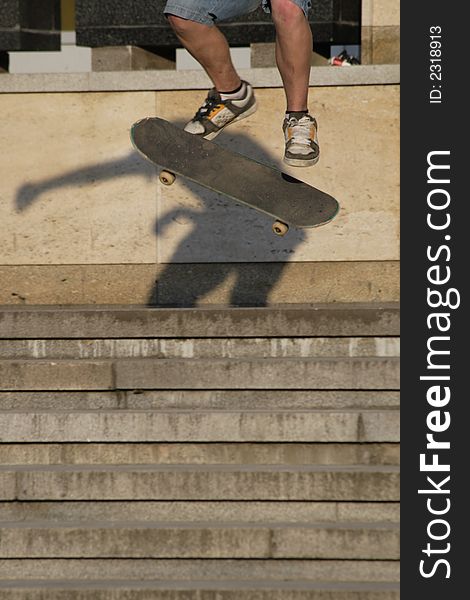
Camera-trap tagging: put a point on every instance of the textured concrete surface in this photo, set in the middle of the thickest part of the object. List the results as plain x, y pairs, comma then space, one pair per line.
83, 220
380, 12
227, 512
89, 199
127, 58
199, 453
200, 399
135, 321
380, 44
380, 32
200, 348
204, 482
322, 373
176, 426
131, 374
308, 489
167, 540
201, 284
176, 590
195, 569
72, 189
58, 375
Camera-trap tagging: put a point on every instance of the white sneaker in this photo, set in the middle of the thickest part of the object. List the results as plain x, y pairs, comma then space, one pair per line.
300, 133
216, 113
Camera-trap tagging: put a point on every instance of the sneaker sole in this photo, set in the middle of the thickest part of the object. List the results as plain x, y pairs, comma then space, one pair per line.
299, 162
243, 115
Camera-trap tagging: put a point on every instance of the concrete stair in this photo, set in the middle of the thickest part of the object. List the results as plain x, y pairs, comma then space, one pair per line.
206, 454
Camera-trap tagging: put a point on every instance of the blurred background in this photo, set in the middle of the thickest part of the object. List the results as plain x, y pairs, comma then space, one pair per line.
83, 35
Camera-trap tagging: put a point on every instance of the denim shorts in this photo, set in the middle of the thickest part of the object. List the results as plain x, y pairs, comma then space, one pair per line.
209, 12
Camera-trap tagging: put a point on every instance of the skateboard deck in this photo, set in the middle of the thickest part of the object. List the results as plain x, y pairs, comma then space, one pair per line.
264, 188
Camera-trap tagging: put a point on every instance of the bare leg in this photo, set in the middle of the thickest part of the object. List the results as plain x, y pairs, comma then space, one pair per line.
210, 48
293, 52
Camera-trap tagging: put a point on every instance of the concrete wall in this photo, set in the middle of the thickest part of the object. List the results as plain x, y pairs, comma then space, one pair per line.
380, 32
84, 219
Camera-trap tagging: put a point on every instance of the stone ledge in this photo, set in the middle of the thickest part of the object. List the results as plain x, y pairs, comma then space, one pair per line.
196, 569
182, 284
271, 453
187, 80
190, 374
136, 321
201, 400
177, 426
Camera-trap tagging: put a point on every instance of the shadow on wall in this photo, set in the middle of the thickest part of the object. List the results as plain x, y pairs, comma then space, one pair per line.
224, 243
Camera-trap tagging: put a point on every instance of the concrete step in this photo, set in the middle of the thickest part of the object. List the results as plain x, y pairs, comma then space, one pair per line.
195, 79
200, 453
199, 482
217, 453
30, 322
130, 539
185, 511
195, 590
304, 347
274, 373
200, 426
193, 569
200, 399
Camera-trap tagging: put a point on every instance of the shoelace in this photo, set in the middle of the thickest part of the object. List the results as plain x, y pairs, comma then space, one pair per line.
212, 100
300, 130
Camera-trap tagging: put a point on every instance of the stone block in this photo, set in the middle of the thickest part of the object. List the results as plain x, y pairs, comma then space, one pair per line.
221, 426
130, 58
66, 206
45, 375
380, 13
28, 25
200, 400
171, 590
196, 569
199, 348
99, 200
380, 45
201, 512
135, 321
145, 452
203, 482
233, 284
321, 373
199, 541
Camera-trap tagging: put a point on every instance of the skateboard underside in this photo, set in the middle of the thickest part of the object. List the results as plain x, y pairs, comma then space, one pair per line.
244, 180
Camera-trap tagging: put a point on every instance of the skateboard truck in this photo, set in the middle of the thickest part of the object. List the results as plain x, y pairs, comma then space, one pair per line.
168, 178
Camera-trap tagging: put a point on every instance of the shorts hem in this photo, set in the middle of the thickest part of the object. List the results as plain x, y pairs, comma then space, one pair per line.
185, 13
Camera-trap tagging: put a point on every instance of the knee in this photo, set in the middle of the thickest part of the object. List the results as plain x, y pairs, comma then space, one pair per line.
286, 12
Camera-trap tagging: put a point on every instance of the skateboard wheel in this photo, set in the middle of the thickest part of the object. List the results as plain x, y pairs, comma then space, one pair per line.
167, 178
280, 228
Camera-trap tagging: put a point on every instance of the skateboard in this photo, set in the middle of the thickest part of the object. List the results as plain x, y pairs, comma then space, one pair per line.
289, 201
